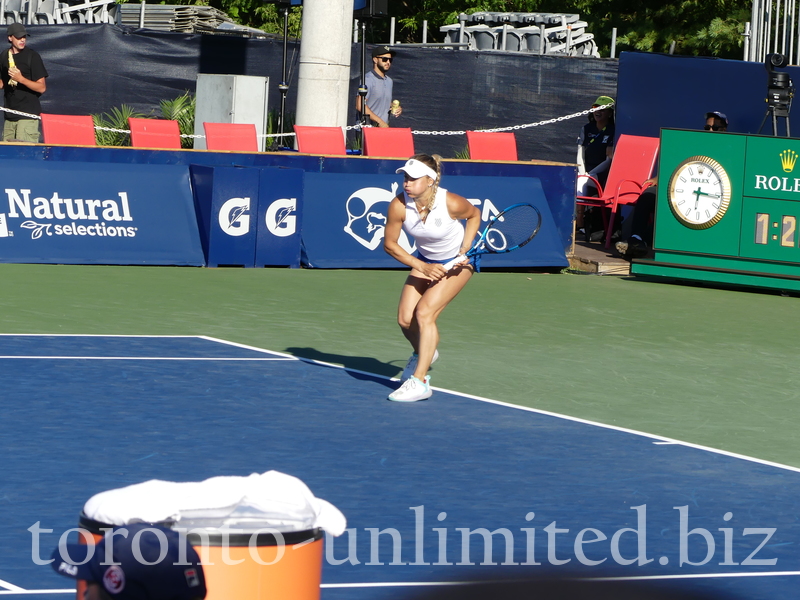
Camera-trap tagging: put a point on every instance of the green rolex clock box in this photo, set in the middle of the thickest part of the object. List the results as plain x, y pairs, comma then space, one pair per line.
755, 242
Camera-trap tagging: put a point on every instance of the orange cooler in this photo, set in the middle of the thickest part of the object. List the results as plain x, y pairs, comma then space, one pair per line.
264, 569
247, 566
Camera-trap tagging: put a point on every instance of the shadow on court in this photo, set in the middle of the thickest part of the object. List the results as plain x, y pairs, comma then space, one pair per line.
367, 364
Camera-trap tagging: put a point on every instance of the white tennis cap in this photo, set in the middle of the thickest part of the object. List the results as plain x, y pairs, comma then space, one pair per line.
416, 169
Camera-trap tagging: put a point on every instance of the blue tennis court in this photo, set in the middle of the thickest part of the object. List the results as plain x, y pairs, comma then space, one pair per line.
433, 492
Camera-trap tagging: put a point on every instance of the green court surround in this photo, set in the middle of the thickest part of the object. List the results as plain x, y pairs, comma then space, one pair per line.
710, 366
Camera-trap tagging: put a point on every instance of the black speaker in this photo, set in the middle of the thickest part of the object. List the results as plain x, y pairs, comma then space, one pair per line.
373, 8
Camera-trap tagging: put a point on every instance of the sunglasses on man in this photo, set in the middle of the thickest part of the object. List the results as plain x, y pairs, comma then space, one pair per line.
385, 59
714, 127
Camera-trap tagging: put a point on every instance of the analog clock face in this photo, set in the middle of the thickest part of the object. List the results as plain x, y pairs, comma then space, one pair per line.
699, 192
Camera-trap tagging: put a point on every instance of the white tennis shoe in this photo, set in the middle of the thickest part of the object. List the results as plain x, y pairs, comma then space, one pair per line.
411, 365
413, 390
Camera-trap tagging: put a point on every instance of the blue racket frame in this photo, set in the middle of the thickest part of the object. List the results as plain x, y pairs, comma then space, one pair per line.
481, 246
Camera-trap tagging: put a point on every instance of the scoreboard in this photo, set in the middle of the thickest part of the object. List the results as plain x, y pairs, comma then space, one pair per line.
727, 211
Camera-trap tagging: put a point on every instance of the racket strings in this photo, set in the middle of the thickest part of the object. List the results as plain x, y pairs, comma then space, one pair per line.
513, 228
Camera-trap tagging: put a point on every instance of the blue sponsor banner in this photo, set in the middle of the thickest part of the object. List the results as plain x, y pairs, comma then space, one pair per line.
280, 213
227, 202
345, 217
249, 216
97, 213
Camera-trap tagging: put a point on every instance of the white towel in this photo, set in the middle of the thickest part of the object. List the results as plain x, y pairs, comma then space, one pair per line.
272, 499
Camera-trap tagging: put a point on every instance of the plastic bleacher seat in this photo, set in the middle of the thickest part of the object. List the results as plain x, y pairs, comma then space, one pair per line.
388, 142
241, 137
320, 140
492, 145
155, 133
69, 130
632, 164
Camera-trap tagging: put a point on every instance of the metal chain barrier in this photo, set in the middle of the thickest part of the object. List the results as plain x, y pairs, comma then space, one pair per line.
359, 126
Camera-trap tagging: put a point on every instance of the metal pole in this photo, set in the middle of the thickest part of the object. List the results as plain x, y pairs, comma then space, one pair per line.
790, 33
141, 15
425, 31
767, 29
283, 86
541, 38
746, 44
362, 89
785, 32
757, 26
568, 47
391, 32
753, 49
613, 42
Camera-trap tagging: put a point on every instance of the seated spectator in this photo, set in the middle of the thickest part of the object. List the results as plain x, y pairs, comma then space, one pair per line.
640, 240
143, 562
595, 149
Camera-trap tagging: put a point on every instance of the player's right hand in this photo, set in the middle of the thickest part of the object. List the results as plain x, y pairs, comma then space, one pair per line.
434, 271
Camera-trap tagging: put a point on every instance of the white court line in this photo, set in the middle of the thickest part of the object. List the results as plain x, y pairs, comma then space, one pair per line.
279, 358
253, 348
10, 586
660, 440
398, 584
20, 591
102, 335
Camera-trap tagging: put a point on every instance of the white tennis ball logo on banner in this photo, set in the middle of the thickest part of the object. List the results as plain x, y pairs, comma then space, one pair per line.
280, 219
233, 217
366, 217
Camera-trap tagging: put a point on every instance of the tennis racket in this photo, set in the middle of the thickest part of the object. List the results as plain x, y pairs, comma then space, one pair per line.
511, 229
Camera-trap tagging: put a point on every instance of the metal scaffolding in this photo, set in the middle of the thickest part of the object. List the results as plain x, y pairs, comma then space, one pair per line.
774, 28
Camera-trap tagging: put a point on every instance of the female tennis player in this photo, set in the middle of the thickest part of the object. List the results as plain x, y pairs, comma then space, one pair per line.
432, 216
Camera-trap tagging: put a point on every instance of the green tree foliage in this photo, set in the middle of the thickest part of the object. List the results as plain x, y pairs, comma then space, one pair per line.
696, 27
707, 27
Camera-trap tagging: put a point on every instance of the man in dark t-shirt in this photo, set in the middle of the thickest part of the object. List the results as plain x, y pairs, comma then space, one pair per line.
22, 77
596, 144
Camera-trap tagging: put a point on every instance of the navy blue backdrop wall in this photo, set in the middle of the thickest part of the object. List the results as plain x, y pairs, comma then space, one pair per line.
96, 67
657, 90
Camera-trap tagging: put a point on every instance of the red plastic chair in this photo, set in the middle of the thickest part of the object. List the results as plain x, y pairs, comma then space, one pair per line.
632, 165
388, 142
320, 140
492, 145
69, 130
241, 137
155, 133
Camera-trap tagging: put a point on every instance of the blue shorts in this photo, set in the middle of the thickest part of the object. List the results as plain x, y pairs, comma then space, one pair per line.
432, 261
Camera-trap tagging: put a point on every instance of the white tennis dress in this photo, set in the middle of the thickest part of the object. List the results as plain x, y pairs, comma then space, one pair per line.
440, 236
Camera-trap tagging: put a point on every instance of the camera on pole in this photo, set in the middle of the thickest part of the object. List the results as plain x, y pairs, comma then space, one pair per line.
780, 92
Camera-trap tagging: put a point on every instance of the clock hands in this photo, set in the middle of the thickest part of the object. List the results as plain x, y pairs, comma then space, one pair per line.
699, 192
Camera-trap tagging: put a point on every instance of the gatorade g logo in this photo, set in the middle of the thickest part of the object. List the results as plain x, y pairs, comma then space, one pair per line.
234, 218
280, 219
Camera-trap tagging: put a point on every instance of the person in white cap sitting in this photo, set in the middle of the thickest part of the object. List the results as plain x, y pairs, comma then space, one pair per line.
433, 217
